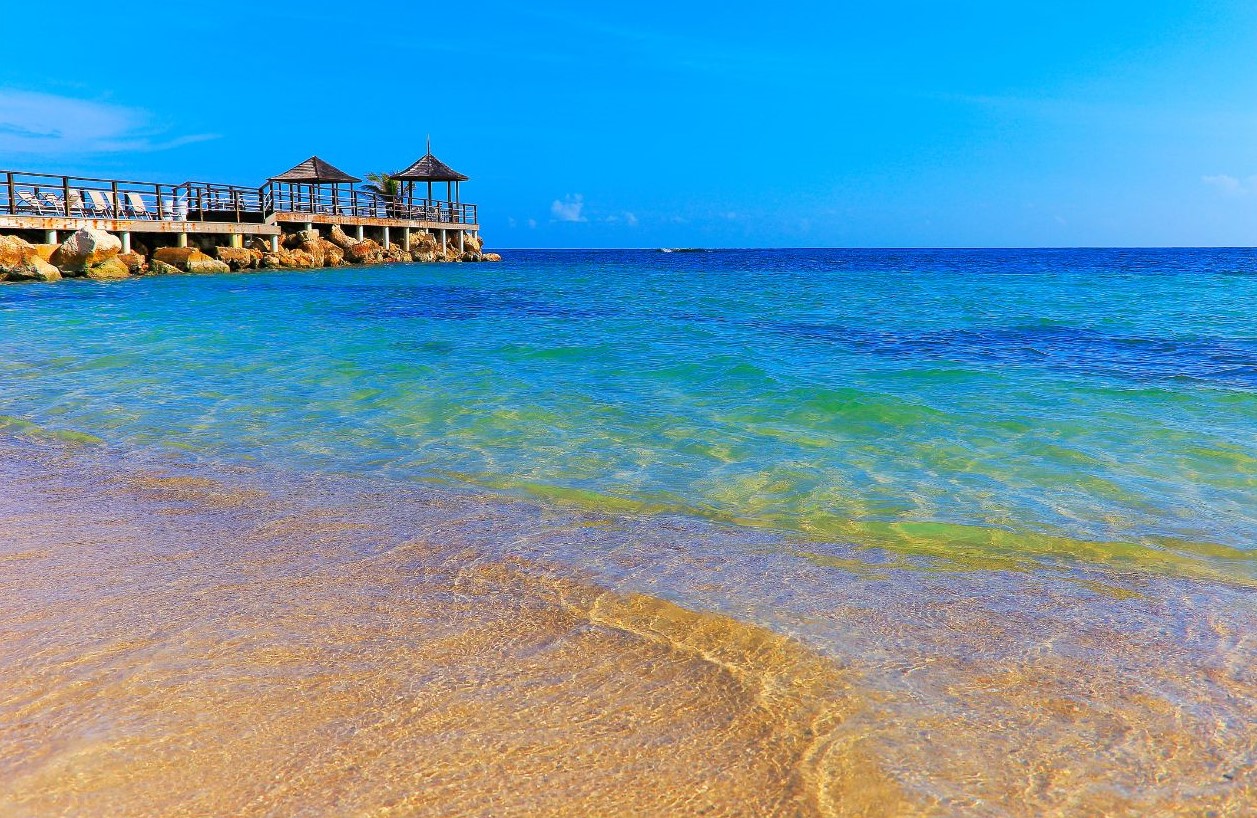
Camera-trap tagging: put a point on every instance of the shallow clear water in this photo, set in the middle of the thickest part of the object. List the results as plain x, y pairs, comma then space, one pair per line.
769, 533
1099, 405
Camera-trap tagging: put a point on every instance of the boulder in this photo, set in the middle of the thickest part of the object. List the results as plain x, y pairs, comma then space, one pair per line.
367, 251
45, 251
14, 252
239, 258
84, 249
397, 255
207, 265
340, 239
109, 269
491, 257
260, 244
333, 256
472, 243
160, 268
20, 261
134, 261
179, 256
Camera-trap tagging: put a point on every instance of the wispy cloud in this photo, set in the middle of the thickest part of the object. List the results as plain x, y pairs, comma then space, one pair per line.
568, 209
48, 125
1230, 185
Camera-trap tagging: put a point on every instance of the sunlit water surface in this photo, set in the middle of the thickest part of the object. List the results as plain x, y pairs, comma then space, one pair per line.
1002, 504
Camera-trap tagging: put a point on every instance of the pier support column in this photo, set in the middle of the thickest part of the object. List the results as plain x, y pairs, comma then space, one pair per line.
50, 237
309, 226
442, 239
406, 239
237, 240
359, 232
386, 238
274, 244
126, 241
462, 238
183, 240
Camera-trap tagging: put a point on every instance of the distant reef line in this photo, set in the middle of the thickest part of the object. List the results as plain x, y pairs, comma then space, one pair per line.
99, 255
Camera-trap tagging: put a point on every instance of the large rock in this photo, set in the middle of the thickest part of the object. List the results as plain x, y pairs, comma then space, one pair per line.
85, 248
179, 256
134, 261
491, 257
45, 251
333, 256
367, 251
207, 265
239, 258
158, 267
14, 252
340, 239
472, 243
397, 254
110, 269
20, 261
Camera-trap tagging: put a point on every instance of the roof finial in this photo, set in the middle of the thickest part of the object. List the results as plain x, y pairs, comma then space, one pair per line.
429, 144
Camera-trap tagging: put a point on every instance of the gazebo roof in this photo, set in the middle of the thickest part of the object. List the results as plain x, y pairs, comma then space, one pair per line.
430, 169
317, 171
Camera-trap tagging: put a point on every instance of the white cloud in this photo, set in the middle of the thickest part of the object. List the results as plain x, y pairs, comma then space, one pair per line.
630, 219
569, 208
510, 221
1224, 183
49, 125
532, 224
1230, 185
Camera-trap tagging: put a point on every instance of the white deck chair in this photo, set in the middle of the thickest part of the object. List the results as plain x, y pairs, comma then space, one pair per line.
54, 203
135, 204
32, 202
101, 203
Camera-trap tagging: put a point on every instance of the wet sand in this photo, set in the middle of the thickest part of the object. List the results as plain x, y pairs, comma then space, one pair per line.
188, 642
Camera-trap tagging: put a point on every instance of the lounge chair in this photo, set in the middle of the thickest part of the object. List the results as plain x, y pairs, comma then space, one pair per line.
135, 206
101, 203
31, 202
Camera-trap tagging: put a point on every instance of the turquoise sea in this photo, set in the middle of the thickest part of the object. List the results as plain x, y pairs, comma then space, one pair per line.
984, 407
1007, 499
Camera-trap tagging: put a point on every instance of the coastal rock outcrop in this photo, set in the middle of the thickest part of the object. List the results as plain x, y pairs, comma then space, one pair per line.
396, 254
239, 258
333, 256
366, 251
20, 261
492, 257
158, 267
189, 260
85, 248
110, 269
135, 262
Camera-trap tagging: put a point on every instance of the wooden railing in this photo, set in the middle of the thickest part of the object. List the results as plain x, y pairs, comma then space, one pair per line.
39, 194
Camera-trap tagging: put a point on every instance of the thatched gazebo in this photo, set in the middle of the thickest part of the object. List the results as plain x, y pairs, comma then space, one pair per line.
430, 169
308, 178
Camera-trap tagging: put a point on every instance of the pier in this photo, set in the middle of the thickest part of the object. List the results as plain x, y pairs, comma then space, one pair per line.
44, 208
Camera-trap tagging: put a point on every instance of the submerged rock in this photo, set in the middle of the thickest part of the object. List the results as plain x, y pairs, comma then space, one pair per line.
85, 248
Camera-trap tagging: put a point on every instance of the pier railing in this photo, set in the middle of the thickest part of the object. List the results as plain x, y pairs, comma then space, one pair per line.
82, 197
278, 197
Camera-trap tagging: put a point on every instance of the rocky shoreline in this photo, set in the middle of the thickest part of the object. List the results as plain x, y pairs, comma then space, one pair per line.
98, 255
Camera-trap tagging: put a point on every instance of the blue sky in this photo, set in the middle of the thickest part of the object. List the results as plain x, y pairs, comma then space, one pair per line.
671, 123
